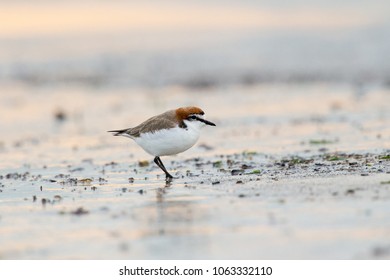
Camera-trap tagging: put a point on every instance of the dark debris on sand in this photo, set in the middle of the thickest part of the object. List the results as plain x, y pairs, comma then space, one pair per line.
310, 166
252, 164
79, 211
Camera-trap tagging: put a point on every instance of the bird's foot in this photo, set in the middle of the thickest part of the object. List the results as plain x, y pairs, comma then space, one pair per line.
169, 178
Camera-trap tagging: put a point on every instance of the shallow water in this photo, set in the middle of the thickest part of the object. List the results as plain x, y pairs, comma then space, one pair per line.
313, 183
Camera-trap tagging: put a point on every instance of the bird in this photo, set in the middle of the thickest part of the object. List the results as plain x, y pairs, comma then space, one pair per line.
169, 133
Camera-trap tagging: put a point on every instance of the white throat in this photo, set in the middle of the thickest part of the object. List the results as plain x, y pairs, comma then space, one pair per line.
194, 125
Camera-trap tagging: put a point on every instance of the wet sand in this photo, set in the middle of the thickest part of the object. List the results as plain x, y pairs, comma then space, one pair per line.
290, 172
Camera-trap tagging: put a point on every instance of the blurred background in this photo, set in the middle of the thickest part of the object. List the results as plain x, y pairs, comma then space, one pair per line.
279, 78
108, 64
193, 43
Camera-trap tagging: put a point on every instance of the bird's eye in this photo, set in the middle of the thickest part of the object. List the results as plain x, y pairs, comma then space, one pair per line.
192, 117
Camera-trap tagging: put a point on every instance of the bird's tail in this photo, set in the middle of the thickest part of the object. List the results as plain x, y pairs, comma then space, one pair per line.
119, 131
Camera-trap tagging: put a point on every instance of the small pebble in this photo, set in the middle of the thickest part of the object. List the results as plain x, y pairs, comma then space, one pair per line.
237, 172
350, 191
60, 115
143, 163
245, 166
79, 211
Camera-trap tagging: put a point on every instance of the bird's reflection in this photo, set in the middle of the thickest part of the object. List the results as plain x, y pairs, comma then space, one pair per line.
168, 183
173, 212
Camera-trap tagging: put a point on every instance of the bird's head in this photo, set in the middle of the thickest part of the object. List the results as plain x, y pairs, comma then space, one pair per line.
192, 116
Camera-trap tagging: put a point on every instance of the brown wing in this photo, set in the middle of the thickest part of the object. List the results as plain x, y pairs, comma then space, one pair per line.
164, 121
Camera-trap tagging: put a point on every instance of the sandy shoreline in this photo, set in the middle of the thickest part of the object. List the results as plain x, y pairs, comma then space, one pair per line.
279, 209
289, 172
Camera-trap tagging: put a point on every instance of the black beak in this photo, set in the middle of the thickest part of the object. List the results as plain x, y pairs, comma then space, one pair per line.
205, 121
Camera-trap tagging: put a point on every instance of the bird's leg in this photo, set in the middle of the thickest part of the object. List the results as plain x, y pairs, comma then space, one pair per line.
159, 163
168, 176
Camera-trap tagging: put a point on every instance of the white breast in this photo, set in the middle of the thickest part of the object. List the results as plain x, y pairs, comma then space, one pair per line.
169, 141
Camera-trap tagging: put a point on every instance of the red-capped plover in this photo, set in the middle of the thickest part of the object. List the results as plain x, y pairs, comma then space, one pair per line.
169, 133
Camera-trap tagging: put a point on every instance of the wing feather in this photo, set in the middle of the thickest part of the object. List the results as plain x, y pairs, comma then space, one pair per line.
163, 121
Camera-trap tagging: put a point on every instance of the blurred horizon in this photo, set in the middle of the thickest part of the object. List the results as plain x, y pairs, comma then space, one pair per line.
196, 44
